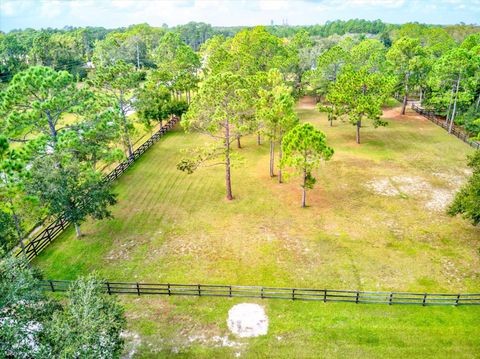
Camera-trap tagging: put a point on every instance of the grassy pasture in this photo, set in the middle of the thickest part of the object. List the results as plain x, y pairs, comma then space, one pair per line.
374, 222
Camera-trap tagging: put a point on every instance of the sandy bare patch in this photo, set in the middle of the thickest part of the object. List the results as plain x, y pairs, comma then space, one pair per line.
122, 251
247, 320
383, 187
454, 181
439, 200
412, 186
306, 103
436, 199
395, 114
132, 342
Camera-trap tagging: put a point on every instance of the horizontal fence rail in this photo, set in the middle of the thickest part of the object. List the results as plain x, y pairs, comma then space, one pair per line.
236, 291
442, 123
52, 231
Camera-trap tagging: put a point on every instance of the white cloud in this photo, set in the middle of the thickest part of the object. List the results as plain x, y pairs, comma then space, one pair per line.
51, 9
10, 8
115, 13
275, 5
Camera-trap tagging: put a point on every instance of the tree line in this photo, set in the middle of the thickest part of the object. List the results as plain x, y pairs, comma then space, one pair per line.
424, 64
57, 133
73, 49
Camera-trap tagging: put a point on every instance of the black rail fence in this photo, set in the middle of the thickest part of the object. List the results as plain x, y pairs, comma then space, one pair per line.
442, 123
305, 294
51, 231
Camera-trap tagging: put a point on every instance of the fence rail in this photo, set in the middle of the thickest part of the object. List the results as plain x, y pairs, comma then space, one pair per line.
305, 294
53, 230
442, 123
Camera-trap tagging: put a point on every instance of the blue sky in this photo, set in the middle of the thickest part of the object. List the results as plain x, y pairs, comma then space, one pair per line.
115, 13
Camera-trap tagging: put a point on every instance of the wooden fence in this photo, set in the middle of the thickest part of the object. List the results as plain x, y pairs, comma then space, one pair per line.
236, 291
50, 232
441, 122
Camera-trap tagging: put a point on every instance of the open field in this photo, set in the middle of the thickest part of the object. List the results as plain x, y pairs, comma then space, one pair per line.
375, 221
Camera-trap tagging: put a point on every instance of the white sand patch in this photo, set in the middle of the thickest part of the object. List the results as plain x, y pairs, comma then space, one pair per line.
383, 187
468, 171
439, 200
436, 199
132, 342
452, 180
411, 185
247, 320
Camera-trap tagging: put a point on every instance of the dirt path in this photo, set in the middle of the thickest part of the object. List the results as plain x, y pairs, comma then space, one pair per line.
394, 113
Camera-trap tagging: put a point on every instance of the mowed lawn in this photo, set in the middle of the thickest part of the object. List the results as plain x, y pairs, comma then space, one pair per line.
375, 221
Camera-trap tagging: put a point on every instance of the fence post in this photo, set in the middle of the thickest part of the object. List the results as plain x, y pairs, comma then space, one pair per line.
324, 295
230, 290
199, 290
458, 298
108, 288
424, 299
138, 289
390, 299
261, 292
168, 289
293, 293
51, 285
34, 247
356, 299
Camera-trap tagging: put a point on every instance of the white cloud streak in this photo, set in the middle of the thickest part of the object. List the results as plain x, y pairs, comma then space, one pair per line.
115, 13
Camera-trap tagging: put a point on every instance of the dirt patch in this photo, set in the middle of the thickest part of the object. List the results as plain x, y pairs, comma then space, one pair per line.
435, 199
412, 186
439, 200
247, 320
383, 187
454, 181
307, 103
395, 114
132, 342
122, 251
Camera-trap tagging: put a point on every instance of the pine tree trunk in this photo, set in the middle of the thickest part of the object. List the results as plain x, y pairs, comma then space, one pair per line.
359, 125
138, 58
404, 104
20, 236
259, 139
228, 181
280, 155
272, 158
77, 230
126, 136
454, 106
449, 105
304, 193
239, 145
405, 97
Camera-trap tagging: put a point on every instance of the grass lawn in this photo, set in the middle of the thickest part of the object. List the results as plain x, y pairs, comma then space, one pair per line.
375, 221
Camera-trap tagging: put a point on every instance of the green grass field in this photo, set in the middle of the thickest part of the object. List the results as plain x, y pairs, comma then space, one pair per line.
375, 221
